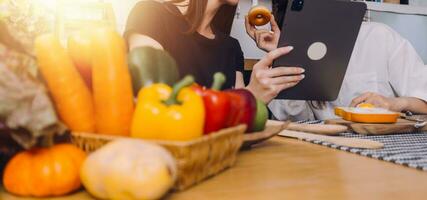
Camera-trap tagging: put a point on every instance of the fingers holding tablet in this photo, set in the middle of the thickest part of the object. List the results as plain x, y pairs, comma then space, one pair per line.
285, 86
280, 80
267, 82
283, 71
268, 59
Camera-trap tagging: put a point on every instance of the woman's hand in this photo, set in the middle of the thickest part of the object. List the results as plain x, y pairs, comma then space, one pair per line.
265, 39
397, 104
267, 82
390, 103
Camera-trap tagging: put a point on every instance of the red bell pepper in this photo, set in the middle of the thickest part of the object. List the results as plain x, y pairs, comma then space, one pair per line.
234, 114
243, 108
217, 104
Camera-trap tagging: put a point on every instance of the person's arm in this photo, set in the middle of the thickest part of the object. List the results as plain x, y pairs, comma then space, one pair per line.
406, 73
138, 40
144, 25
413, 104
397, 104
240, 83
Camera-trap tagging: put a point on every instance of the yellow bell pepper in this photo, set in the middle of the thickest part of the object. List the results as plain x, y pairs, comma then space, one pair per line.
164, 113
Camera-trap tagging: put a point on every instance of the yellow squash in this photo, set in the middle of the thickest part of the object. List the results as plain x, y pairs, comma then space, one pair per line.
129, 169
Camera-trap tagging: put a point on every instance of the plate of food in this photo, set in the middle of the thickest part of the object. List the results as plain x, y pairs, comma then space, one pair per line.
367, 114
370, 120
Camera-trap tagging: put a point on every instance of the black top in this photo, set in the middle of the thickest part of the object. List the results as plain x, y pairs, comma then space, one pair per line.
194, 53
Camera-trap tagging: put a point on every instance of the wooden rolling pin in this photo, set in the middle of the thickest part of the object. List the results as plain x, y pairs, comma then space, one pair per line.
342, 141
322, 129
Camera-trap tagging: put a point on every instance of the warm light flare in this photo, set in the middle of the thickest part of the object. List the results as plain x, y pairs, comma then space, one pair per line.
47, 4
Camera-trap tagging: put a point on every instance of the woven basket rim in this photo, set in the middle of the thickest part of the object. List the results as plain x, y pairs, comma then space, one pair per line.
241, 128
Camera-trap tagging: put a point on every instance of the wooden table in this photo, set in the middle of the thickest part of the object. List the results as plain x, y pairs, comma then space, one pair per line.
289, 169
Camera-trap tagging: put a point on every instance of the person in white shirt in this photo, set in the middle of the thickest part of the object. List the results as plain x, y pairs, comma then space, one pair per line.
384, 70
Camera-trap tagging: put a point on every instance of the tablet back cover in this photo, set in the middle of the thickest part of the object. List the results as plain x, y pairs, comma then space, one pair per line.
332, 24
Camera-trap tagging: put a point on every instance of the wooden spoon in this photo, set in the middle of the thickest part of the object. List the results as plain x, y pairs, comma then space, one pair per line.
322, 129
342, 141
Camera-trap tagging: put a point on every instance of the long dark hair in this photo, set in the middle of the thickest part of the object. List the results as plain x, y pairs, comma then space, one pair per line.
195, 11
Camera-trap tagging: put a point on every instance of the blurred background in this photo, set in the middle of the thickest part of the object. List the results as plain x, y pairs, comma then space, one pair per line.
409, 20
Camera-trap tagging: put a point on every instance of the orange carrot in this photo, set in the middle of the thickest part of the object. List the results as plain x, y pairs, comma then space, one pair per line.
111, 82
72, 98
79, 49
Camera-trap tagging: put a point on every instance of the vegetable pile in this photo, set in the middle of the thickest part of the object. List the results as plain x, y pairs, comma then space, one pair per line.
97, 96
93, 84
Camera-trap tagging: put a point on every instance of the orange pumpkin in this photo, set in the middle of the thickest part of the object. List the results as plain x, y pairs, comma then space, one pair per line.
43, 172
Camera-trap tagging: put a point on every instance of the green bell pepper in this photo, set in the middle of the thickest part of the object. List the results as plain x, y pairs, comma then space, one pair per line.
148, 65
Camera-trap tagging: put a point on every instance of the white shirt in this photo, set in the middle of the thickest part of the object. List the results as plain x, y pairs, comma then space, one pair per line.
382, 62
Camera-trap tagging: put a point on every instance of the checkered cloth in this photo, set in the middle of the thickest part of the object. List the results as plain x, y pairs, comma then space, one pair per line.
409, 149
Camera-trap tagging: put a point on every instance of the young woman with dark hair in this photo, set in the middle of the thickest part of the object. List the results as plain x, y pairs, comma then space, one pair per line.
186, 29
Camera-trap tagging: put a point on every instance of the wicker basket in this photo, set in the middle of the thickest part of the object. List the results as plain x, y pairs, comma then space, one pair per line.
197, 160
